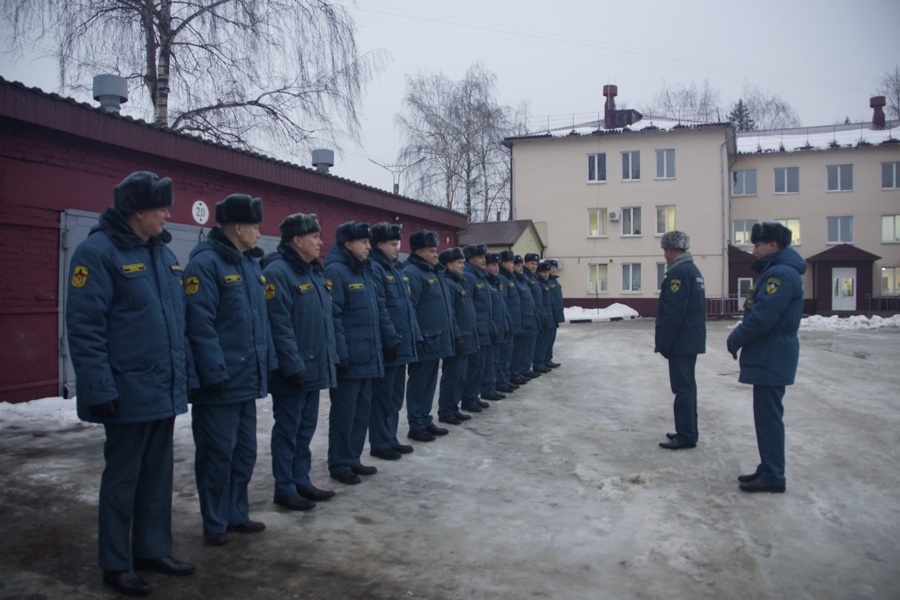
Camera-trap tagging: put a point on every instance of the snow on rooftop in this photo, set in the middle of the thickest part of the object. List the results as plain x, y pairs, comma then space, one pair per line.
817, 138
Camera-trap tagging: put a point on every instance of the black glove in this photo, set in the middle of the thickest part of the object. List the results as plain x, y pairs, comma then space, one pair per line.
298, 380
343, 366
390, 354
459, 347
664, 354
217, 388
732, 347
106, 410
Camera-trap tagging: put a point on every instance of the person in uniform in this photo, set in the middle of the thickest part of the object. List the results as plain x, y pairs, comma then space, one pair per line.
388, 391
559, 315
542, 347
434, 312
475, 275
535, 284
126, 331
228, 326
302, 328
453, 369
769, 347
523, 344
501, 325
681, 334
365, 338
513, 304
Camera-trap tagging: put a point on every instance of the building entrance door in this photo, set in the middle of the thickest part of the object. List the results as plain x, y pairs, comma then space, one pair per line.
843, 288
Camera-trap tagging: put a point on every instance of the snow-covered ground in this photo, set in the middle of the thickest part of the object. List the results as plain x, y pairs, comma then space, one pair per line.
559, 492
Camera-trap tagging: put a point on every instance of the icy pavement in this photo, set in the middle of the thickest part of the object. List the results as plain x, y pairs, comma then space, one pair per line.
559, 492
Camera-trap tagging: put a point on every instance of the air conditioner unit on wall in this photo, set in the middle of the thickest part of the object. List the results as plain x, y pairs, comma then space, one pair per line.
613, 216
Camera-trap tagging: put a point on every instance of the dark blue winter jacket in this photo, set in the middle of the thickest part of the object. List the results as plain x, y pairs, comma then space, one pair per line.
433, 303
300, 317
126, 324
463, 311
767, 336
681, 322
512, 299
529, 319
547, 303
535, 285
393, 283
556, 295
362, 325
477, 285
227, 321
499, 312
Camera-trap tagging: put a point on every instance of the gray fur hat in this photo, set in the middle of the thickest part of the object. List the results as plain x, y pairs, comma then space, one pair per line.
143, 190
531, 256
450, 254
543, 267
507, 256
239, 208
351, 230
385, 232
298, 224
423, 239
675, 240
470, 250
771, 231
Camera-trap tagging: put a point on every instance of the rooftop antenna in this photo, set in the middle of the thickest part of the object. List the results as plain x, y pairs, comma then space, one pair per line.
397, 171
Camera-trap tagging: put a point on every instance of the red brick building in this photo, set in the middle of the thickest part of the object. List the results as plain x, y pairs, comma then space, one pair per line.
59, 162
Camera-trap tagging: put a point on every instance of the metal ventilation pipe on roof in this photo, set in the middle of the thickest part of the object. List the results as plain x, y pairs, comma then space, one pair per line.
609, 112
111, 91
877, 104
323, 159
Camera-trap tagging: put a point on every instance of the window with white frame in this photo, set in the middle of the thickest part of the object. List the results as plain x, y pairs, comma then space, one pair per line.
743, 183
660, 275
665, 164
631, 165
794, 226
631, 220
840, 178
840, 230
890, 175
787, 180
597, 218
598, 279
665, 219
741, 230
596, 168
890, 281
631, 277
890, 229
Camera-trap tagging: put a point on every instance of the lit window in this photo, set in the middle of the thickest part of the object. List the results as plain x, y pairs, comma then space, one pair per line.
840, 230
794, 226
890, 175
787, 180
598, 279
741, 230
631, 165
665, 164
631, 220
596, 167
743, 183
890, 228
665, 219
631, 277
840, 178
890, 280
597, 218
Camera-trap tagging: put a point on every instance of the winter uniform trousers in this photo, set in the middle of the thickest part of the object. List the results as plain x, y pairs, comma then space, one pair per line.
768, 415
489, 379
296, 416
420, 388
453, 376
477, 363
387, 401
135, 510
348, 421
225, 437
684, 385
523, 351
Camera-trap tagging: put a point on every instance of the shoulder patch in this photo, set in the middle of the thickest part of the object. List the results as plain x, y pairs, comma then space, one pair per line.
675, 285
389, 278
431, 281
233, 278
270, 291
463, 293
262, 278
305, 287
79, 276
135, 268
191, 285
177, 268
772, 285
328, 284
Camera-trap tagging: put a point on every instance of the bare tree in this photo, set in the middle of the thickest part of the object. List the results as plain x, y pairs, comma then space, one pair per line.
890, 89
248, 73
456, 128
768, 111
688, 103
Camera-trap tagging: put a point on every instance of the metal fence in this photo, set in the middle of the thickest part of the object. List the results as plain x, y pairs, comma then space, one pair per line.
883, 304
724, 306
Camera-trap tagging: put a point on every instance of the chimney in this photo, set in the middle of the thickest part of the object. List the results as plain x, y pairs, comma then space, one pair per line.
323, 160
609, 111
877, 104
111, 91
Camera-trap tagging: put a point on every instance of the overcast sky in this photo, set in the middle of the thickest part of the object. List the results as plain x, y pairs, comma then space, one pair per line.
824, 57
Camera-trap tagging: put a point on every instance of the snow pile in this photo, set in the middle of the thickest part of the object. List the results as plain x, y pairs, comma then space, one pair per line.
45, 411
817, 323
600, 315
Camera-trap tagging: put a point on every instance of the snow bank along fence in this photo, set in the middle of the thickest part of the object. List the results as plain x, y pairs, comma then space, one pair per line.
883, 305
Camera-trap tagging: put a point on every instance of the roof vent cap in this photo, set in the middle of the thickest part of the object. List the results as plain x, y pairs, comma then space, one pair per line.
111, 91
323, 159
